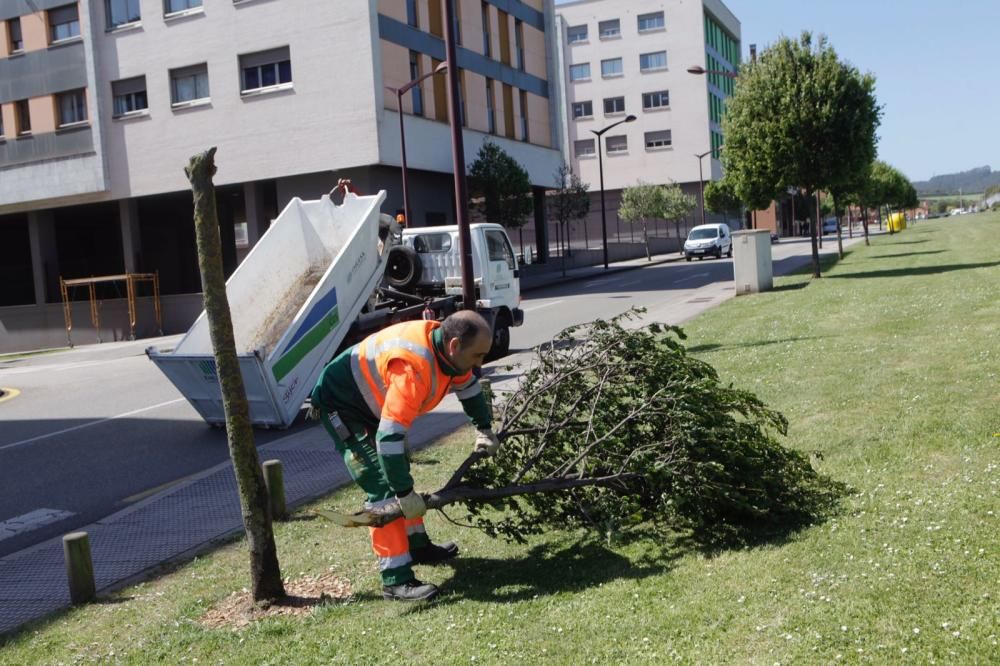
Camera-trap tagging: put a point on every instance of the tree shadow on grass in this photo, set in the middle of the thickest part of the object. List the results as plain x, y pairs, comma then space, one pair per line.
791, 287
550, 569
915, 270
905, 254
711, 347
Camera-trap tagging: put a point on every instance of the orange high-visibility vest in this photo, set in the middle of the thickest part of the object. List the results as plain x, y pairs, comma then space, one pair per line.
398, 376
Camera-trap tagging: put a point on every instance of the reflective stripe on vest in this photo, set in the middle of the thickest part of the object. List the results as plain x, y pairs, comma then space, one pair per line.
365, 359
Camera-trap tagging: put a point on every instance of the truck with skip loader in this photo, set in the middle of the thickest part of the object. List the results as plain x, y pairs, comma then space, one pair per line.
322, 277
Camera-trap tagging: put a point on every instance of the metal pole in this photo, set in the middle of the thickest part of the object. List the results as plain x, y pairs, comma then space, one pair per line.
701, 188
604, 222
402, 152
458, 160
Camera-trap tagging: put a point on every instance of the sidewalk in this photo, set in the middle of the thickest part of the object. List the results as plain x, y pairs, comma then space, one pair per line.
194, 516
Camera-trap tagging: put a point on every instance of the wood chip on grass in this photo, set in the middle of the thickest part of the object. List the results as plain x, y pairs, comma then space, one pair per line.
303, 595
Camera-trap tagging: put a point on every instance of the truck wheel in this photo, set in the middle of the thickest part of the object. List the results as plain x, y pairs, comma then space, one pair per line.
402, 268
501, 342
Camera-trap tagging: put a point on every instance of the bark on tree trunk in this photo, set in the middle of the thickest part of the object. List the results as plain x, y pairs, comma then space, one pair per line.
864, 224
265, 573
840, 237
812, 239
645, 239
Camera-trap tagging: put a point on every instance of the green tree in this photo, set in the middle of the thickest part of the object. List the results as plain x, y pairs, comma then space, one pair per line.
567, 203
501, 186
800, 117
644, 202
720, 196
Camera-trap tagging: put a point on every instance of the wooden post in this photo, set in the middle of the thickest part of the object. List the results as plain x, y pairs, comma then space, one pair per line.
79, 567
274, 479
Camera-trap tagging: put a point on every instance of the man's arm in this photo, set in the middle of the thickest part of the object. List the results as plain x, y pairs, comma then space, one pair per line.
405, 394
470, 393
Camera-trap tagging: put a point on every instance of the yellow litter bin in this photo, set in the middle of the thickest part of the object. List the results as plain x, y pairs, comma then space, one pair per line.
897, 222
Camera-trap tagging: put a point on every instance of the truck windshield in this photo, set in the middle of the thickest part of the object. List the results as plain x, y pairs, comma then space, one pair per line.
499, 249
700, 234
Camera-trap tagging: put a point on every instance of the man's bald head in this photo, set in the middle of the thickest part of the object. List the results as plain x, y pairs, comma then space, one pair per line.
466, 325
467, 339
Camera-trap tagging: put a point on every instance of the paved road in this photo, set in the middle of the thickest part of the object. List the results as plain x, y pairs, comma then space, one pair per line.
97, 429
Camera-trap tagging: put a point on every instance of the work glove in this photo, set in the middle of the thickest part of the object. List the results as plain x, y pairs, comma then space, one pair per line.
412, 505
487, 442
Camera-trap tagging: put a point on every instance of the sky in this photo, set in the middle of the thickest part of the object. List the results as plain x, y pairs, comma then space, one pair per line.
936, 65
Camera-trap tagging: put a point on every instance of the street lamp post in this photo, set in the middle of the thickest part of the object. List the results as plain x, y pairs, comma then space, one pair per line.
399, 92
698, 69
600, 168
701, 183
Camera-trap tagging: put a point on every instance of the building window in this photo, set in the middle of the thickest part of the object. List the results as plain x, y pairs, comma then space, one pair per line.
659, 139
655, 100
121, 12
487, 47
129, 96
411, 13
14, 32
614, 105
265, 69
519, 42
72, 107
583, 109
616, 144
491, 114
524, 114
652, 61
177, 6
584, 148
189, 84
652, 21
611, 67
416, 94
22, 118
579, 72
609, 29
576, 34
64, 23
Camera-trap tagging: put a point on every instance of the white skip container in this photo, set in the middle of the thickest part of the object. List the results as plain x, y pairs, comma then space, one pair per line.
293, 299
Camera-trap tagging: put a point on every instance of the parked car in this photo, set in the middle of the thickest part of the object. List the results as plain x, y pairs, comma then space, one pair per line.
774, 237
830, 225
708, 240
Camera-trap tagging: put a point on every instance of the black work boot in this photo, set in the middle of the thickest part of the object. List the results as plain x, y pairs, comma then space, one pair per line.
434, 553
411, 590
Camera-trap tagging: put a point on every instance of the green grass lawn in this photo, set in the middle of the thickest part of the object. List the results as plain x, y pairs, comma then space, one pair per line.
888, 370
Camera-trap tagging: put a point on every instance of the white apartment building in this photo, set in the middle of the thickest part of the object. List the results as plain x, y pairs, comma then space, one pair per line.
631, 58
102, 102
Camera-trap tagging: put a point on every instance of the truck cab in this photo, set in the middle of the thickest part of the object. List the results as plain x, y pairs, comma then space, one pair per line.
428, 264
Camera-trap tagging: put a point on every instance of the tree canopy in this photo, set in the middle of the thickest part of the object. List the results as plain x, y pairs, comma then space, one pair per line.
799, 117
501, 185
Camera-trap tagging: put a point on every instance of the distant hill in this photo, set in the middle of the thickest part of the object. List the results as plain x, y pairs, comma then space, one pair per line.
973, 180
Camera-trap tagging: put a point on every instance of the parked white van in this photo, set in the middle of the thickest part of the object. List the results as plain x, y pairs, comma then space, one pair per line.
708, 240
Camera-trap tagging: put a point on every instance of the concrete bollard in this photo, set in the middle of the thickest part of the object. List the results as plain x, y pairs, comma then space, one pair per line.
79, 567
274, 479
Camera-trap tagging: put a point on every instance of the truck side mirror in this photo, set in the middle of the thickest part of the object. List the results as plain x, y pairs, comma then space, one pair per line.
517, 272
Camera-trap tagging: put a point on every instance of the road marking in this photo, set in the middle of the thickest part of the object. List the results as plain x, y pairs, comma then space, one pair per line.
56, 367
87, 425
8, 393
31, 521
691, 277
626, 284
152, 491
544, 305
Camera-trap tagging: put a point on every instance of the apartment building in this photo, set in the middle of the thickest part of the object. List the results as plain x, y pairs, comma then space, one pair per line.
624, 59
102, 102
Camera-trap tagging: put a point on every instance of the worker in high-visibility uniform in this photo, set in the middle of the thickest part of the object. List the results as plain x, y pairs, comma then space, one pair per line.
368, 397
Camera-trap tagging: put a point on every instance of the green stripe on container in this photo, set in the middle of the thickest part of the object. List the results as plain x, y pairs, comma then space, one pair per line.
305, 345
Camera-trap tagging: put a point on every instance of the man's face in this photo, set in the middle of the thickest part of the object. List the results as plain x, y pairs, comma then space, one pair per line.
470, 356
